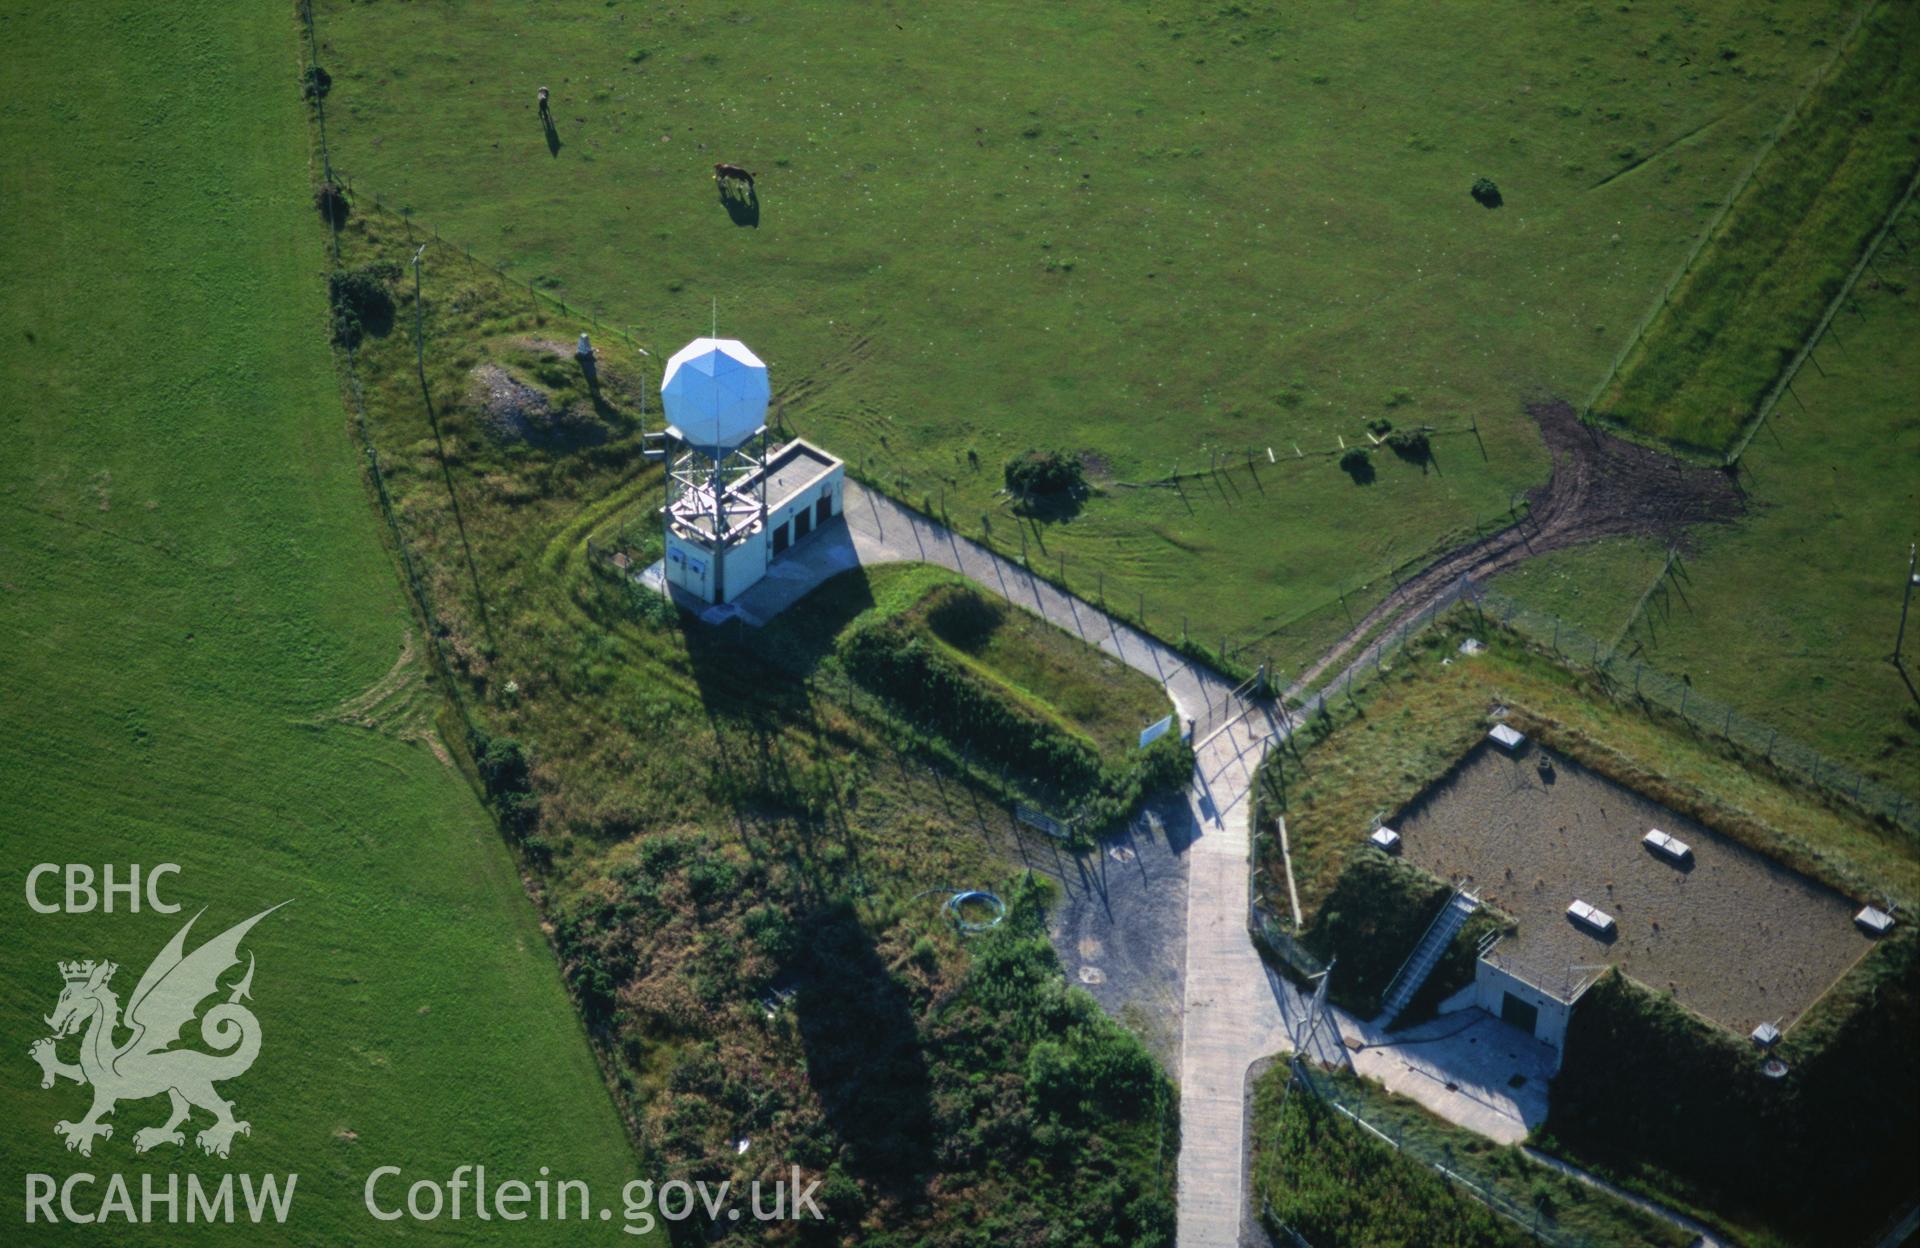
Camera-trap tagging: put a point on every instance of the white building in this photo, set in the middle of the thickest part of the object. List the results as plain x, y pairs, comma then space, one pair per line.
733, 507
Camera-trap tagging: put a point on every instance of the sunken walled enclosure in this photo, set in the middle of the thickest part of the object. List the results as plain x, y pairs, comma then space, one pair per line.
1730, 934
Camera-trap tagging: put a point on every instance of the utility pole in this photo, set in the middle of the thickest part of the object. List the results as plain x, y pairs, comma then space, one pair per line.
419, 337
1906, 598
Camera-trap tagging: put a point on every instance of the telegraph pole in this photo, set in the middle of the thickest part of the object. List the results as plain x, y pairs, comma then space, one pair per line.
419, 339
1906, 599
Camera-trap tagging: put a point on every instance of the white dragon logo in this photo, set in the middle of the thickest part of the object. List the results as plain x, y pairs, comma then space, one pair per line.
164, 1001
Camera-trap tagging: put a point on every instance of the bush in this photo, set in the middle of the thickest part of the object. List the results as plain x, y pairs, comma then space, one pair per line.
939, 694
1411, 445
362, 305
315, 83
1357, 463
1046, 474
1487, 193
332, 203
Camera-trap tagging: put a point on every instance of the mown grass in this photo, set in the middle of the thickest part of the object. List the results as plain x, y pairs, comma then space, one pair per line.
1790, 617
1399, 733
1336, 1184
193, 597
985, 230
1088, 691
1697, 377
742, 852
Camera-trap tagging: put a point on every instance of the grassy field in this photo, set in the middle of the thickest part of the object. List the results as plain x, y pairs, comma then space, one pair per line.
743, 849
193, 601
1733, 323
1791, 615
1337, 1184
980, 231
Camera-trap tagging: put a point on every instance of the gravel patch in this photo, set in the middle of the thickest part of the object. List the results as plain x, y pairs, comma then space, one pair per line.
1735, 937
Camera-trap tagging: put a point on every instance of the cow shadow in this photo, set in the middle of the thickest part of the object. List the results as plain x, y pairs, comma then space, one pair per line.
743, 206
553, 136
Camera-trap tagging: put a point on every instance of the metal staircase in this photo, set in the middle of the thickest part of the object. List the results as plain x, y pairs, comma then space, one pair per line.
1420, 963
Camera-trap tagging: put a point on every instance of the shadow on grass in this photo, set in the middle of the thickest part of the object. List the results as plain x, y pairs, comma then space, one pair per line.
742, 206
864, 1056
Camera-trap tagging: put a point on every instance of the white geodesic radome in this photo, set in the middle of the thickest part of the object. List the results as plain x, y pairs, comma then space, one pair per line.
715, 394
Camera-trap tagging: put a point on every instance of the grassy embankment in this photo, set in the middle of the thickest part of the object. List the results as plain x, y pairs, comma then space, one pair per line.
210, 662
744, 865
1618, 1114
981, 230
1337, 1184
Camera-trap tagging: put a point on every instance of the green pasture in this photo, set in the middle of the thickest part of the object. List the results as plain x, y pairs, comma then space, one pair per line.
1177, 236
1738, 316
1791, 615
194, 603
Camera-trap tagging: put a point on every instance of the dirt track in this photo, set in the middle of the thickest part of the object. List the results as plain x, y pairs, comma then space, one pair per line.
1601, 486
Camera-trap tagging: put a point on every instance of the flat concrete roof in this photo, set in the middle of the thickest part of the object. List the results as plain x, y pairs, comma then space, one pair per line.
790, 470
1732, 934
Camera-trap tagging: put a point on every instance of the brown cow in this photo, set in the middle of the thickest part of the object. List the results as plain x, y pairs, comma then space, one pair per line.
723, 171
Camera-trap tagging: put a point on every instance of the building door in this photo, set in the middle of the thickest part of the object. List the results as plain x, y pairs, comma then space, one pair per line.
781, 536
802, 524
823, 509
1522, 1014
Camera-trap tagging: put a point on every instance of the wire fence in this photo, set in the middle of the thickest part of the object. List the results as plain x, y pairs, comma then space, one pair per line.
1739, 187
410, 565
1825, 324
1630, 680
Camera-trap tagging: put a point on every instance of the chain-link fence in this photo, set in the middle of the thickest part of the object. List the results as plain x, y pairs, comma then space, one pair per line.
1658, 692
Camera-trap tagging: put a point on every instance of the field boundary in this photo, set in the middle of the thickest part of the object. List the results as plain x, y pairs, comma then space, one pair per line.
1805, 353
1654, 690
1720, 214
439, 660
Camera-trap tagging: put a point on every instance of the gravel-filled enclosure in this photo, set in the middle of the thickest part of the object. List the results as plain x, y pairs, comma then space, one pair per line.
1735, 936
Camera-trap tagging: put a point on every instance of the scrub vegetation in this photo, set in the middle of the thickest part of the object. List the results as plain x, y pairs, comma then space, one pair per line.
742, 848
1338, 1184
